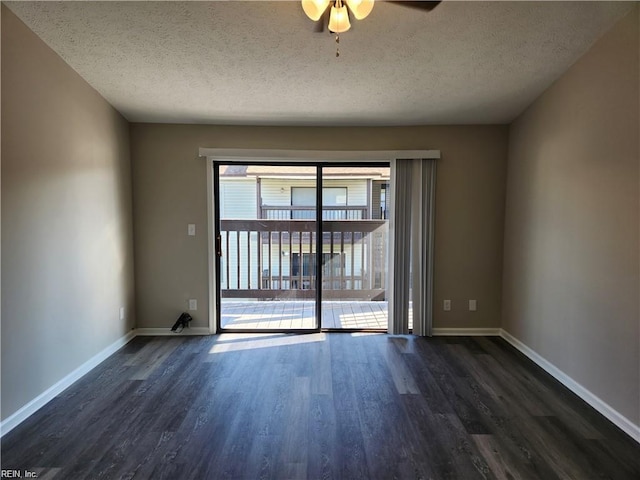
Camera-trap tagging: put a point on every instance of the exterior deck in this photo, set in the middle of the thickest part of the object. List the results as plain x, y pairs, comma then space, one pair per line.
279, 315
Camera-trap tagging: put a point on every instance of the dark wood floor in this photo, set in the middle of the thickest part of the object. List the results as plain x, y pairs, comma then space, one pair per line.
319, 406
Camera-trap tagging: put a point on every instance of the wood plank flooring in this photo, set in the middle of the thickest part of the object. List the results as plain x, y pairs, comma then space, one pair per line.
319, 406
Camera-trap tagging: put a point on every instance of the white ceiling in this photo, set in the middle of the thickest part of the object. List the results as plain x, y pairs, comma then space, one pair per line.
261, 63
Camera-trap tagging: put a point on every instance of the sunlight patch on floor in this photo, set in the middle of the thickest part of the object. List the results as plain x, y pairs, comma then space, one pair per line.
234, 342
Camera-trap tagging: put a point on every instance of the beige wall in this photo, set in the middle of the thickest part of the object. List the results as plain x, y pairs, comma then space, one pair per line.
67, 245
571, 276
170, 192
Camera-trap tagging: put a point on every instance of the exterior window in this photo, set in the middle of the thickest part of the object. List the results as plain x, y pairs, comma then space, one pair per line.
384, 213
306, 197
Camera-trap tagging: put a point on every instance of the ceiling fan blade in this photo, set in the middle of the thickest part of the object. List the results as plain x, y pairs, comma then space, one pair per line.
425, 6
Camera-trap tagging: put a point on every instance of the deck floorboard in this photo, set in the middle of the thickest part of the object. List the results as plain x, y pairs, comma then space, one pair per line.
284, 315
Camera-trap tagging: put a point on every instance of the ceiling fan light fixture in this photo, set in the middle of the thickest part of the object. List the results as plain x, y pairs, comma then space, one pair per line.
314, 8
339, 19
360, 8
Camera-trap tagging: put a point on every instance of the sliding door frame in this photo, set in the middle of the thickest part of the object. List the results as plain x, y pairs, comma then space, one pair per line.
317, 158
318, 246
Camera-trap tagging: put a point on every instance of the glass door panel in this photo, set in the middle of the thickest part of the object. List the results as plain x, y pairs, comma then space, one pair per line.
266, 247
354, 247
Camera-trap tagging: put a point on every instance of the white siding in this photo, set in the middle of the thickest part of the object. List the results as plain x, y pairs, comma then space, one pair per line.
238, 198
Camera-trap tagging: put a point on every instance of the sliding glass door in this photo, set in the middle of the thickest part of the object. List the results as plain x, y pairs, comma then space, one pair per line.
301, 247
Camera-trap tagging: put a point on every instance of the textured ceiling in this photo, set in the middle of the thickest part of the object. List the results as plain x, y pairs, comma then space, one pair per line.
261, 63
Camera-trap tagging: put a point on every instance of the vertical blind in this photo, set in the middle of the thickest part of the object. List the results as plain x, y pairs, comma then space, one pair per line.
412, 245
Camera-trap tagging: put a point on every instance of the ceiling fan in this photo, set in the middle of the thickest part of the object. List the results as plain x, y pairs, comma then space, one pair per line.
337, 18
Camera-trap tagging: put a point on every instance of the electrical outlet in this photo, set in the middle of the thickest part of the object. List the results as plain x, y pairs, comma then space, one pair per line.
447, 305
121, 313
193, 304
473, 305
191, 229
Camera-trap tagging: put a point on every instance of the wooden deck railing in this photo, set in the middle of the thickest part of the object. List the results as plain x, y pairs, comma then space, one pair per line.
309, 213
276, 259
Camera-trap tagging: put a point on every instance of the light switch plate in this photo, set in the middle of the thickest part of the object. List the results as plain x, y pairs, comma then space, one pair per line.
191, 229
447, 305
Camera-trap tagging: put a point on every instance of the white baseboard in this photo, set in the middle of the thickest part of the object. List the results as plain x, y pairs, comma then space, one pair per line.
596, 402
466, 332
45, 397
167, 331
